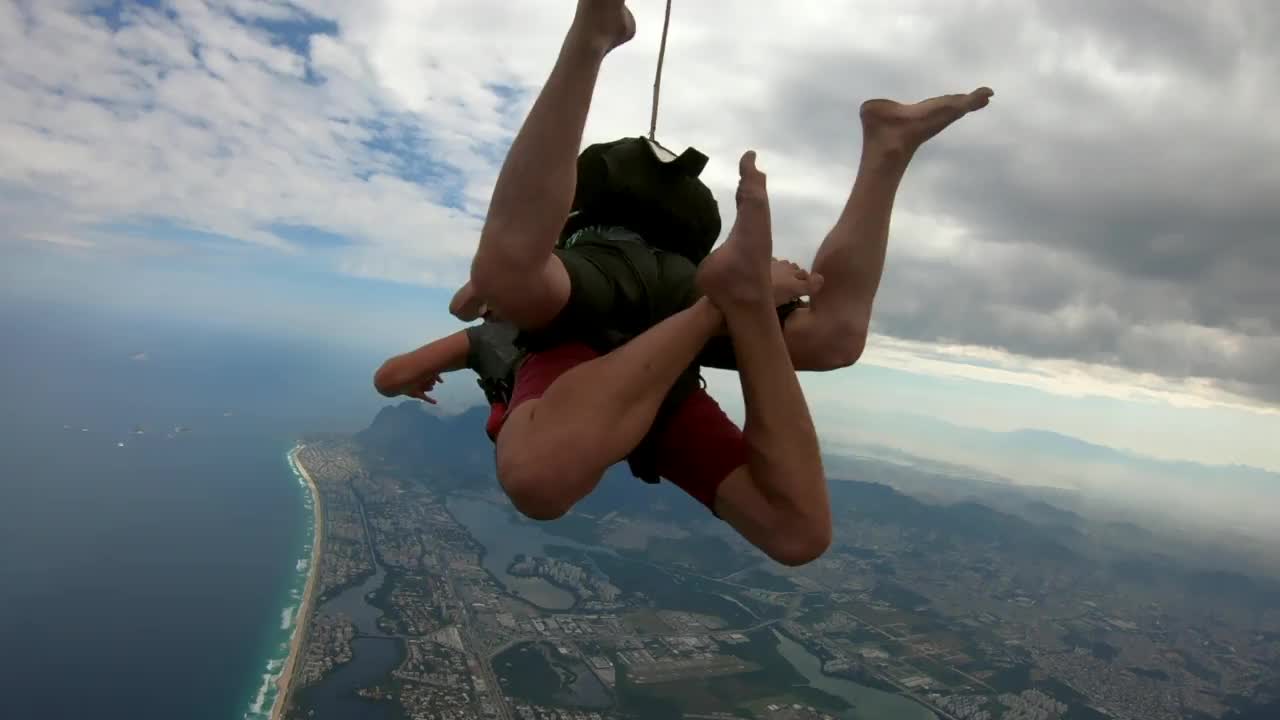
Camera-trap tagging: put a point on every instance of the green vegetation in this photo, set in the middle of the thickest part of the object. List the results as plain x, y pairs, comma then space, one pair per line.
640, 702
898, 596
1077, 703
775, 678
524, 672
704, 554
941, 672
766, 581
538, 673
1150, 674
1012, 679
1198, 669
574, 526
673, 591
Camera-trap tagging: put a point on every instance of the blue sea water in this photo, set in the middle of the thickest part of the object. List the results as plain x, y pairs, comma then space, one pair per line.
154, 575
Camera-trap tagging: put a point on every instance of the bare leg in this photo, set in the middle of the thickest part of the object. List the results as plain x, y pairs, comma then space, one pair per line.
514, 269
553, 450
832, 331
779, 500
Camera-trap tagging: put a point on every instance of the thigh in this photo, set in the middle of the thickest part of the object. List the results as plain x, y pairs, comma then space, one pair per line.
535, 375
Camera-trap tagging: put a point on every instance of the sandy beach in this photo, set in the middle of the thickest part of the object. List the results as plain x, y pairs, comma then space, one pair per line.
285, 682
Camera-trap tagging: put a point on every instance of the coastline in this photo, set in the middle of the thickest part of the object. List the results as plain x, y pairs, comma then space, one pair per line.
284, 684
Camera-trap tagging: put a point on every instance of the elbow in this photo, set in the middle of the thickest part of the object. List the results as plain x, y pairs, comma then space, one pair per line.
386, 380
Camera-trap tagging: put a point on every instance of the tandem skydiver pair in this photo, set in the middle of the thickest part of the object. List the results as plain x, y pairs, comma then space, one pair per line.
602, 298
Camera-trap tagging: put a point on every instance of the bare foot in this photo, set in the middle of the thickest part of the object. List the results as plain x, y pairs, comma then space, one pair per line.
791, 282
738, 272
893, 126
605, 24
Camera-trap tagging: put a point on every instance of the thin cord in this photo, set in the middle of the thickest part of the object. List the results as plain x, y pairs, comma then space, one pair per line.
657, 77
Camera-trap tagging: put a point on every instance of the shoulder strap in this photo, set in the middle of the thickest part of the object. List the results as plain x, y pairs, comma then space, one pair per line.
494, 357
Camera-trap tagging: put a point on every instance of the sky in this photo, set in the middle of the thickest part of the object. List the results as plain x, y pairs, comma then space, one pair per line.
1093, 254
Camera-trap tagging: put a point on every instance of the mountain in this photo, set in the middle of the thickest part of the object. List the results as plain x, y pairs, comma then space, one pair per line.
1041, 512
407, 437
453, 452
949, 523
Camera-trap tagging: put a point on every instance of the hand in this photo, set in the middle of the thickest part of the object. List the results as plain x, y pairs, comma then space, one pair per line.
420, 387
791, 282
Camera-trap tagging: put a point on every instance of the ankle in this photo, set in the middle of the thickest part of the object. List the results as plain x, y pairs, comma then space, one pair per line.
584, 43
711, 315
886, 157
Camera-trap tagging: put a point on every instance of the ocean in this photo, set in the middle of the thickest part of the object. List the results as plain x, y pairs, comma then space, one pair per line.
153, 536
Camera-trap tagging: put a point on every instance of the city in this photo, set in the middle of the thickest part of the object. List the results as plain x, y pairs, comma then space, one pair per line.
914, 616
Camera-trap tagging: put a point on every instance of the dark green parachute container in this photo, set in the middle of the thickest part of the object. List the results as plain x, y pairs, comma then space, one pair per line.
641, 186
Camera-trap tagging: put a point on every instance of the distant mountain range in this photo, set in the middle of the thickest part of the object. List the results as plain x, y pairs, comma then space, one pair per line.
1239, 502
452, 452
1049, 445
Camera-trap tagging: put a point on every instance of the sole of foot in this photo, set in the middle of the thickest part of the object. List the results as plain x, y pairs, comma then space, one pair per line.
908, 126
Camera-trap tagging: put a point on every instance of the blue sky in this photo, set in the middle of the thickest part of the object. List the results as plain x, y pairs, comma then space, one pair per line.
317, 169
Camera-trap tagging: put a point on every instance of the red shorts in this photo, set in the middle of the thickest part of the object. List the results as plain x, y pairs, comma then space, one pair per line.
696, 450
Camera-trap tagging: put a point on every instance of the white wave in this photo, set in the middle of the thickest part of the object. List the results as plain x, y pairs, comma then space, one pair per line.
301, 565
286, 618
275, 664
260, 700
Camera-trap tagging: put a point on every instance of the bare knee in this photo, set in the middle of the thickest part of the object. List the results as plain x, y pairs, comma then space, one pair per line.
845, 343
534, 494
799, 542
528, 293
540, 485
821, 341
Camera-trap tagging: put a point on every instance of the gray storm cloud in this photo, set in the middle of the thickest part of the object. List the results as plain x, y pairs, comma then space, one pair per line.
1121, 196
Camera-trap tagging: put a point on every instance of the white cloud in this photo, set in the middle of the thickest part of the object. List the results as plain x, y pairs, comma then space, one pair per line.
196, 118
1067, 378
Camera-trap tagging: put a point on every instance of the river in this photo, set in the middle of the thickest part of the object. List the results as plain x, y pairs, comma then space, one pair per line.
373, 659
503, 538
868, 703
352, 603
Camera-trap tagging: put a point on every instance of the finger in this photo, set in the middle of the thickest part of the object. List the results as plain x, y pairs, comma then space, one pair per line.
815, 283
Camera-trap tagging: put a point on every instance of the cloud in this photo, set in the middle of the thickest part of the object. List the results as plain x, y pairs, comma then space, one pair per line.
1112, 212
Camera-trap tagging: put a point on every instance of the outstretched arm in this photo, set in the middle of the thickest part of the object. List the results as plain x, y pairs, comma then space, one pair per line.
416, 372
